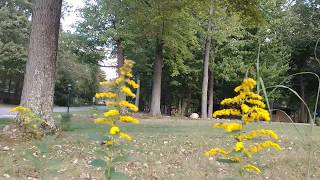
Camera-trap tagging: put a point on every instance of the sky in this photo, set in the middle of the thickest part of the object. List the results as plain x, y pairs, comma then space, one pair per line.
68, 22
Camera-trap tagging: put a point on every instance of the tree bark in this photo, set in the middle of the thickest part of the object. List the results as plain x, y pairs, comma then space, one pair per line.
210, 107
137, 100
156, 87
303, 115
38, 89
204, 98
120, 55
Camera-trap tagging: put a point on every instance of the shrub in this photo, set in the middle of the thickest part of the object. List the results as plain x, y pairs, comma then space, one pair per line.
30, 122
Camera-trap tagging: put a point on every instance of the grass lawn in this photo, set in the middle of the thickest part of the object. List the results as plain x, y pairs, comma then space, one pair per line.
162, 149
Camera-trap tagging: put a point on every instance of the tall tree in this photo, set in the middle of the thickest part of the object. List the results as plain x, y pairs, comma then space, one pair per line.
164, 23
38, 89
205, 80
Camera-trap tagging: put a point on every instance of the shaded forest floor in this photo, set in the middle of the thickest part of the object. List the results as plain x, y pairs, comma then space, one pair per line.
167, 148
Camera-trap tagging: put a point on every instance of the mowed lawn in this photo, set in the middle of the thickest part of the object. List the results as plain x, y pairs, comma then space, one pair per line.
167, 148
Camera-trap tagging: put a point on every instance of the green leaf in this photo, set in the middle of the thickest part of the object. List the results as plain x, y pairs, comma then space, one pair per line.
119, 176
226, 160
100, 152
98, 163
236, 154
121, 159
54, 164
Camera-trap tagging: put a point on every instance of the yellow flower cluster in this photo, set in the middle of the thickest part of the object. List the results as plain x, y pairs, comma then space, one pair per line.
256, 102
105, 121
239, 146
264, 145
115, 130
20, 109
250, 107
128, 105
227, 112
129, 119
247, 85
113, 112
256, 113
133, 84
106, 95
251, 167
126, 136
127, 91
260, 132
126, 69
215, 151
229, 127
118, 112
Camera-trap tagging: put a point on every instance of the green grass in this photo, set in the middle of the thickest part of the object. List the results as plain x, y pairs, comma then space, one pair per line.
163, 149
5, 121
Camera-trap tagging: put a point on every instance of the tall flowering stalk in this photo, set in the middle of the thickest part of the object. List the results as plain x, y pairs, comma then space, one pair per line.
119, 108
119, 111
250, 107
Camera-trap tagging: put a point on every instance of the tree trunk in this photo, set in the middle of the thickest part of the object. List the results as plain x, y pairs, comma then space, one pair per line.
156, 87
303, 115
9, 86
137, 94
188, 102
204, 97
38, 89
210, 108
120, 55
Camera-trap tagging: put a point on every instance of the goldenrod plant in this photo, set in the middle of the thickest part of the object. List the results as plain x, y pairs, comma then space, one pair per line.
30, 122
250, 107
119, 111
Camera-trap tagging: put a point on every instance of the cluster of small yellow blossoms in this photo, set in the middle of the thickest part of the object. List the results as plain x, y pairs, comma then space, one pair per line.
119, 107
229, 127
250, 104
30, 121
250, 107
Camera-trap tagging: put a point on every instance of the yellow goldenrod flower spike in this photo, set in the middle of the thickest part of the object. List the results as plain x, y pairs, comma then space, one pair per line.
113, 112
105, 121
264, 145
132, 83
20, 109
127, 91
128, 105
260, 132
114, 130
106, 95
229, 127
226, 112
125, 136
239, 146
250, 107
250, 167
109, 142
129, 119
215, 151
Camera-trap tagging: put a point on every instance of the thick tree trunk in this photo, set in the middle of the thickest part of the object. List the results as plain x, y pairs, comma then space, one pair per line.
137, 100
38, 89
156, 87
204, 97
210, 107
